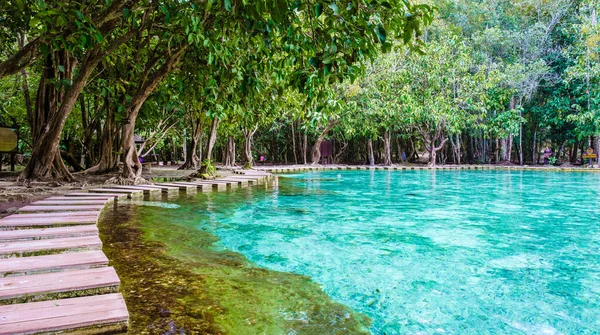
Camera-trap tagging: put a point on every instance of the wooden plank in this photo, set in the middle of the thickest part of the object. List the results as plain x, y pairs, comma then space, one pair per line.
203, 187
58, 208
74, 260
71, 231
162, 187
237, 182
84, 195
56, 244
146, 190
71, 201
64, 314
52, 215
17, 221
116, 190
57, 282
180, 186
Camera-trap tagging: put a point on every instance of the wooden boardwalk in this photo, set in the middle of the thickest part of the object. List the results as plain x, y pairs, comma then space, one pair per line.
54, 277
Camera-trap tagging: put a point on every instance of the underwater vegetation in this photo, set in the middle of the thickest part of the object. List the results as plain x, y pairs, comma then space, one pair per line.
176, 282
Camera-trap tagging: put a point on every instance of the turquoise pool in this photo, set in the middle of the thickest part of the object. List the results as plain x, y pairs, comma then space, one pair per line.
447, 252
418, 252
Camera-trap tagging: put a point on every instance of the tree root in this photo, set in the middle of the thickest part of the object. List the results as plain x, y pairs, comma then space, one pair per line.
127, 181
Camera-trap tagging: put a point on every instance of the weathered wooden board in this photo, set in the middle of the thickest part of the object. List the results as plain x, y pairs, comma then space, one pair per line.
71, 201
63, 314
57, 282
74, 260
67, 243
17, 221
70, 231
59, 208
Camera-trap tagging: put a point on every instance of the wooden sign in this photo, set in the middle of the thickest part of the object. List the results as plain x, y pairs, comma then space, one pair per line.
589, 154
8, 139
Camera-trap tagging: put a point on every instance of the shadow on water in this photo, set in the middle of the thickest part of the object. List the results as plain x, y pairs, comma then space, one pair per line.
176, 281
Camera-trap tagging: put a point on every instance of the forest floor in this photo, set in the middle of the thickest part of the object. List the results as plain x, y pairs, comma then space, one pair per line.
14, 194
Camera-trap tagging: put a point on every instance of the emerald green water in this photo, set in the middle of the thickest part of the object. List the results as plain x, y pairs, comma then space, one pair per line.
418, 252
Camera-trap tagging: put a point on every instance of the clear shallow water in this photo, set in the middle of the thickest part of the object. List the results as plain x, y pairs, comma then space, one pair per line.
422, 252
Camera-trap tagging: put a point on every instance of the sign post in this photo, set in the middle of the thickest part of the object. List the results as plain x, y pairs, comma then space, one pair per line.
590, 155
9, 140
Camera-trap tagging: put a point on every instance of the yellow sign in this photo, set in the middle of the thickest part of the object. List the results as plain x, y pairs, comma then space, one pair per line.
590, 156
590, 151
8, 139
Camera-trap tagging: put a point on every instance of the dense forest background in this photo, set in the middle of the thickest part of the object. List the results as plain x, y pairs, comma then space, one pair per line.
490, 81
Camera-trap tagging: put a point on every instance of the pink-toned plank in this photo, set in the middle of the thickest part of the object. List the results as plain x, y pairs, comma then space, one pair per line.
16, 221
67, 243
70, 231
53, 215
59, 208
63, 314
187, 183
115, 190
57, 282
143, 188
74, 260
84, 195
179, 186
71, 201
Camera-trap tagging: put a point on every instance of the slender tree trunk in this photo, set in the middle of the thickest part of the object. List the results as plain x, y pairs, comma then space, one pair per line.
294, 145
212, 138
387, 147
192, 159
370, 152
534, 146
248, 133
304, 148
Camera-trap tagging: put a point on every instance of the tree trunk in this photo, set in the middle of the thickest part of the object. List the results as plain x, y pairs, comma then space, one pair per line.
534, 150
192, 159
316, 149
48, 117
387, 147
248, 133
304, 148
230, 152
212, 138
370, 152
45, 157
294, 145
132, 168
108, 143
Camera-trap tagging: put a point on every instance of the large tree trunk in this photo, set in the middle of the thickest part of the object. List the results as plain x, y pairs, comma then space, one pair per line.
370, 151
316, 149
53, 109
387, 146
132, 168
52, 106
108, 144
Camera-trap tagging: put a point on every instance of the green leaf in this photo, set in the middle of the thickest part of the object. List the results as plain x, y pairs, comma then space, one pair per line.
318, 9
227, 5
19, 4
34, 22
126, 13
381, 33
